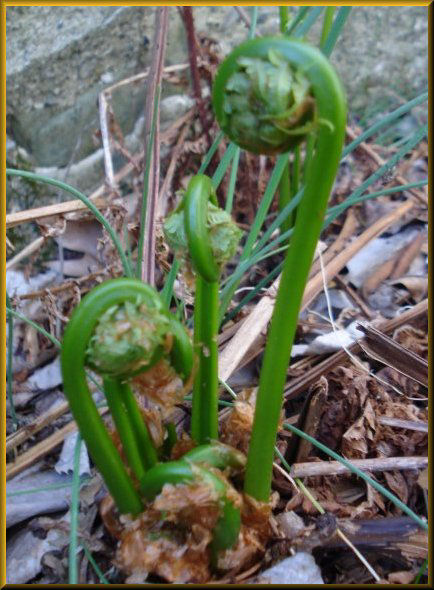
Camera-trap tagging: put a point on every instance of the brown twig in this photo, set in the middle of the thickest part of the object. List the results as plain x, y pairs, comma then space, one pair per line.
154, 85
244, 16
314, 468
162, 201
105, 138
387, 351
27, 251
300, 384
379, 160
42, 448
256, 322
187, 17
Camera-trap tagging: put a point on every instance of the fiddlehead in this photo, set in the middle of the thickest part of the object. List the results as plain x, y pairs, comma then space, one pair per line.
318, 105
263, 101
194, 467
205, 238
119, 329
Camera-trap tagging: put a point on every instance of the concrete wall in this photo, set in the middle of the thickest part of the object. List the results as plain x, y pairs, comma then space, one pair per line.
59, 58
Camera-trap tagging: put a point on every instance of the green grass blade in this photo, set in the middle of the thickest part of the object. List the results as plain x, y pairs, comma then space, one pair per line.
261, 214
224, 165
284, 18
9, 367
93, 563
232, 181
40, 329
333, 212
267, 251
212, 150
385, 492
167, 291
78, 195
335, 31
57, 486
253, 22
421, 572
385, 121
304, 27
299, 17
75, 500
251, 294
265, 204
327, 25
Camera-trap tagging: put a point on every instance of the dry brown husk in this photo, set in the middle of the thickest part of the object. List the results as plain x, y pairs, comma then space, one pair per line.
177, 547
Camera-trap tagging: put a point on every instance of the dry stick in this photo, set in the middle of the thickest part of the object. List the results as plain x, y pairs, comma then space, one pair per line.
75, 205
300, 384
9, 244
143, 75
244, 16
24, 433
355, 297
299, 485
345, 234
27, 251
59, 208
390, 532
147, 272
187, 17
256, 322
384, 349
69, 284
105, 137
313, 468
379, 160
176, 152
417, 425
45, 446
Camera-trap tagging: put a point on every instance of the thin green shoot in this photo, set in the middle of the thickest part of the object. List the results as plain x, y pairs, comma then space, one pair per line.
78, 195
333, 212
75, 500
253, 293
385, 492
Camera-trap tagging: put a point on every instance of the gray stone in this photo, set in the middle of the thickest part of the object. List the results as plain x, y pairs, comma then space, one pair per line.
299, 569
59, 58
